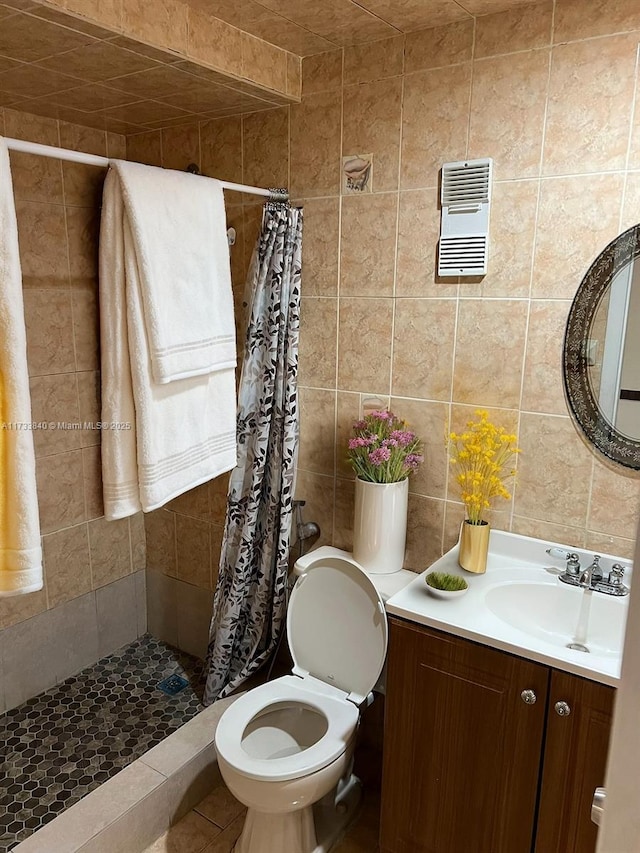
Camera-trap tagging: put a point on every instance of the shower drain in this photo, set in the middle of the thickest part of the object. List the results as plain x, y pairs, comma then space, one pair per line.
173, 684
578, 647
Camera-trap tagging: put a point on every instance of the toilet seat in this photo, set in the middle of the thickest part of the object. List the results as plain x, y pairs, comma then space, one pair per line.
337, 635
340, 714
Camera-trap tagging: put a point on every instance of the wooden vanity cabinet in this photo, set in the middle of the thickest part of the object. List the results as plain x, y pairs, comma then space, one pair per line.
575, 759
461, 748
464, 754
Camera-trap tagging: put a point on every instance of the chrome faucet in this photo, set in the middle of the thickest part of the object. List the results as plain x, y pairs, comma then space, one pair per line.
586, 578
596, 569
593, 576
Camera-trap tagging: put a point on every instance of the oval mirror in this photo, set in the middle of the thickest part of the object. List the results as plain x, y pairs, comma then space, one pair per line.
601, 356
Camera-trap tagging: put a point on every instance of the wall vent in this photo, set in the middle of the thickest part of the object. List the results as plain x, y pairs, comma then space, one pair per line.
464, 226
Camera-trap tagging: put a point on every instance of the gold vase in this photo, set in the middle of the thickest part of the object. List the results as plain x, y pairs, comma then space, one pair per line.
474, 546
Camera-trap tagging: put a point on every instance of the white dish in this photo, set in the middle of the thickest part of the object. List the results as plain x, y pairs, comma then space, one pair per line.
444, 593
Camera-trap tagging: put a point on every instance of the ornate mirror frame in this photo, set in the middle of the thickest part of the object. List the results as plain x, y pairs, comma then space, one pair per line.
581, 401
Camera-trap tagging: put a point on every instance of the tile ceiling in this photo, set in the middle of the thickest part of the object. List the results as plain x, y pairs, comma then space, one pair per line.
61, 67
314, 26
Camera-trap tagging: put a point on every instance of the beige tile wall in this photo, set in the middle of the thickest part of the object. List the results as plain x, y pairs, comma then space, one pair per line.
551, 99
553, 103
58, 206
548, 90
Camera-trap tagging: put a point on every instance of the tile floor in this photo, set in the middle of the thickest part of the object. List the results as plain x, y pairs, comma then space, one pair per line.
67, 741
214, 825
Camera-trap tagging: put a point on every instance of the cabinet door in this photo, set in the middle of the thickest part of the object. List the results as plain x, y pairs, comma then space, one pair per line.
462, 749
575, 759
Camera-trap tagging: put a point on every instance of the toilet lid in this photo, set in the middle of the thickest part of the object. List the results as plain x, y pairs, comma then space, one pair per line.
337, 627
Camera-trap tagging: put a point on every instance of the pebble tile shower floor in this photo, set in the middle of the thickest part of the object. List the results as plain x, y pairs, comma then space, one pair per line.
64, 743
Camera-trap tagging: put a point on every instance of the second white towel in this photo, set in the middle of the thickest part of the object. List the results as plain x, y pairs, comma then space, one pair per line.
179, 231
159, 439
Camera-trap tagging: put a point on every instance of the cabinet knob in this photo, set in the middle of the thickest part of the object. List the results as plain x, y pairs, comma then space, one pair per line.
529, 697
563, 709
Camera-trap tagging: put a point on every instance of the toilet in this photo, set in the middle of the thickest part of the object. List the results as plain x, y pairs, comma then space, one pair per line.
285, 749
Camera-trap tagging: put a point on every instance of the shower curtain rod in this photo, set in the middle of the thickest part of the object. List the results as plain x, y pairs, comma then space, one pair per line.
95, 160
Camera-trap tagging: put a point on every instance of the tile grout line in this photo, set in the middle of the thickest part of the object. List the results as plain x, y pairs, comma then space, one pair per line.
394, 290
629, 140
336, 374
536, 219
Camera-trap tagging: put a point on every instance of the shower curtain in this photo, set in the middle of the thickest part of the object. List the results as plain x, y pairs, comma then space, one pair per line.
250, 599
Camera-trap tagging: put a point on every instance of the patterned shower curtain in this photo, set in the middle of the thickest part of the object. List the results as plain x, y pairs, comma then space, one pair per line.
250, 600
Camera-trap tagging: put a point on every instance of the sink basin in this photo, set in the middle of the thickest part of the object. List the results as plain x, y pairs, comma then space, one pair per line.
549, 611
520, 606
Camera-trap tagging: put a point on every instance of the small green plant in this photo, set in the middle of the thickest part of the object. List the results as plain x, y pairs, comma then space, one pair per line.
445, 581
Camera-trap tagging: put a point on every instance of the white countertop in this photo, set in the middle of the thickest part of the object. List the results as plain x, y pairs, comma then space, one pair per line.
512, 559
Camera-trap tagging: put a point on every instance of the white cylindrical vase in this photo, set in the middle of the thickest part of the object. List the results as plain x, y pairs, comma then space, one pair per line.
380, 525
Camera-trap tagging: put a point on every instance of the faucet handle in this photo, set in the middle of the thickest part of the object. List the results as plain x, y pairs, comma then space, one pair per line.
573, 561
573, 564
558, 553
616, 574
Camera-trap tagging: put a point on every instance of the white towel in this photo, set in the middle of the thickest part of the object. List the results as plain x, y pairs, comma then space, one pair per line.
158, 440
180, 243
20, 550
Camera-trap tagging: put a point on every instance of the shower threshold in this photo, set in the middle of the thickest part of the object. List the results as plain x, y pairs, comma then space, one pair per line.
66, 742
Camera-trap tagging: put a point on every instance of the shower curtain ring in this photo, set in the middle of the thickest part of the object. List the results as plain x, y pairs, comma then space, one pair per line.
278, 194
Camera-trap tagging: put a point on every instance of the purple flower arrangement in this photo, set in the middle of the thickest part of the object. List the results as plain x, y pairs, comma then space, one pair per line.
383, 449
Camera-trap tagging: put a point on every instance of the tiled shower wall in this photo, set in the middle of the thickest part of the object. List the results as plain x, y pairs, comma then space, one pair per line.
93, 600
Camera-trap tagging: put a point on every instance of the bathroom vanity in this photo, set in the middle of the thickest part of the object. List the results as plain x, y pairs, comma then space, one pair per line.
496, 733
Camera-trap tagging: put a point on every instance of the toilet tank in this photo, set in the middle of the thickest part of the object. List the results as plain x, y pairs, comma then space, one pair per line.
387, 585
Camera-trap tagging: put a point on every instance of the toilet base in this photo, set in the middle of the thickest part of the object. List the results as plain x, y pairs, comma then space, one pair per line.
335, 813
314, 829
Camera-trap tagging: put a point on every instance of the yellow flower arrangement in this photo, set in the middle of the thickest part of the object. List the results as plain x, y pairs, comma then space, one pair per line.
482, 457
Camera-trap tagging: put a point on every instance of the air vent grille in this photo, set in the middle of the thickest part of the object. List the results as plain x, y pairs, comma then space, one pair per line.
464, 229
463, 255
466, 183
